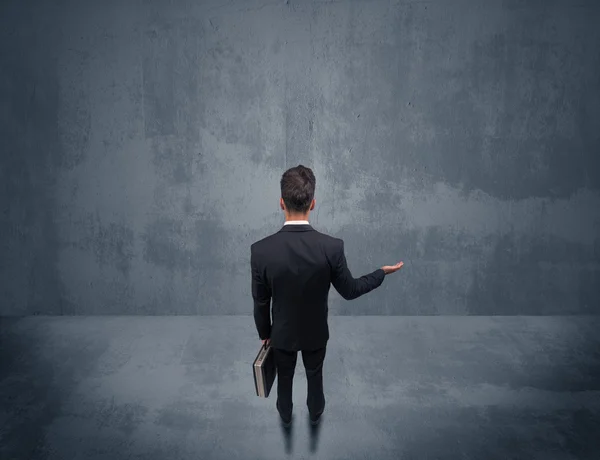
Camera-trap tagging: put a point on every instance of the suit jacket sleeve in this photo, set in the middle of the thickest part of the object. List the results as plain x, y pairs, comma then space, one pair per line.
261, 293
343, 281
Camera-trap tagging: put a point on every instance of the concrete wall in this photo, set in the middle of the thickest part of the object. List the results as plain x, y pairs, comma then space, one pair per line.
143, 143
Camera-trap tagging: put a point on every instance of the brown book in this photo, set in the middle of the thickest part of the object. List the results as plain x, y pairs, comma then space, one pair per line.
264, 371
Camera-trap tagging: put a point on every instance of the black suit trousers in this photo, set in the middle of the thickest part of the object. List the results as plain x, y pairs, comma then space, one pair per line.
285, 361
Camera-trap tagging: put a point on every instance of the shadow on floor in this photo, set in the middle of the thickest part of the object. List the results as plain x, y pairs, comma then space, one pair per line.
313, 430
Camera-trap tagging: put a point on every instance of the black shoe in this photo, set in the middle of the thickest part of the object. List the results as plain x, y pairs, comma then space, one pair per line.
316, 420
286, 424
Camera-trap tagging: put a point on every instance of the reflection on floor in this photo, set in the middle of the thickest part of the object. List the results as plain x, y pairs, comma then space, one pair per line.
396, 387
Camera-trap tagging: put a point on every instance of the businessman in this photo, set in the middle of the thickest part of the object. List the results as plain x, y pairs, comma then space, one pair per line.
295, 268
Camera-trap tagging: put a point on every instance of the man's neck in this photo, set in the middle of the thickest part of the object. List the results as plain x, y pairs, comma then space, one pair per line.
292, 218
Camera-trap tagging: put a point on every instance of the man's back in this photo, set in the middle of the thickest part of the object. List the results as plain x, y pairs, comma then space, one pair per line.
295, 267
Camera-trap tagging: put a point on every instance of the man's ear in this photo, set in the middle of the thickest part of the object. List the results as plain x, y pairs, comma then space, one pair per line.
281, 204
312, 205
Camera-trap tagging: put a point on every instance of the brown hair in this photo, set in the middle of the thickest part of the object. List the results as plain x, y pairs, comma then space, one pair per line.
298, 188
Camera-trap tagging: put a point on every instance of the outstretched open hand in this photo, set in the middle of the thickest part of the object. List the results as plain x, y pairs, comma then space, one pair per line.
392, 268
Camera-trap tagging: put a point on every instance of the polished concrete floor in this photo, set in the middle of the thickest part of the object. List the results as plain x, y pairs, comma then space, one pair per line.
396, 388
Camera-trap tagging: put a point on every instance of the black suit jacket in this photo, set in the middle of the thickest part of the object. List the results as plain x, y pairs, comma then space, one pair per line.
295, 268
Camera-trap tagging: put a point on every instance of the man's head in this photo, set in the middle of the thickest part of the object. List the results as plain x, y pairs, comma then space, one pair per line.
298, 192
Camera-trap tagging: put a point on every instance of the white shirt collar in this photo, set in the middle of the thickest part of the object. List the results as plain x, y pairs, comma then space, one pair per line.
296, 222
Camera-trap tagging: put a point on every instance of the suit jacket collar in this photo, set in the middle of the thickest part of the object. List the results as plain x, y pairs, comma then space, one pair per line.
296, 228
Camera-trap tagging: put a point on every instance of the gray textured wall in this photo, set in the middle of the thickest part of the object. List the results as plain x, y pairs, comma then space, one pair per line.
143, 142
